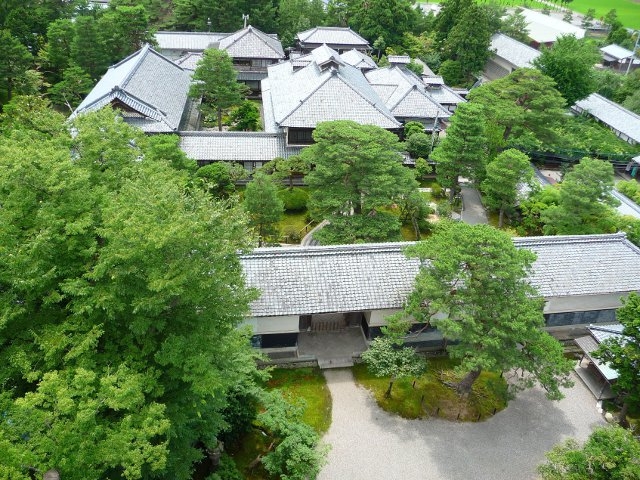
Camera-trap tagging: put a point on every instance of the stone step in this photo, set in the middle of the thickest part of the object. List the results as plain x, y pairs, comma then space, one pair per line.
345, 362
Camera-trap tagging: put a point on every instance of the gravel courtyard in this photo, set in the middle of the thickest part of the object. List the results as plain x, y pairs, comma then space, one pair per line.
369, 444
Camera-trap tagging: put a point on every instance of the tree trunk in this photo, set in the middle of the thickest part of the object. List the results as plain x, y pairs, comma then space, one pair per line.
416, 227
387, 394
507, 132
452, 191
464, 387
220, 119
622, 419
500, 218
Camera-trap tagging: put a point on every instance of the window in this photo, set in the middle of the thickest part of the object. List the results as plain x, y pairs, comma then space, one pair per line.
580, 318
300, 136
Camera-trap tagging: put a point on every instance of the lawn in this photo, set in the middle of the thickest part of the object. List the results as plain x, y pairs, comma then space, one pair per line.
292, 226
307, 384
431, 397
628, 10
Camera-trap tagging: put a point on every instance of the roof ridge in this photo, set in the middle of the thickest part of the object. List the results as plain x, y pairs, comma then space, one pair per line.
611, 102
344, 79
328, 249
301, 102
599, 237
143, 52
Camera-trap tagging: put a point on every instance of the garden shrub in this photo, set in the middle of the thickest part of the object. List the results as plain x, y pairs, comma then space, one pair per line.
295, 199
629, 188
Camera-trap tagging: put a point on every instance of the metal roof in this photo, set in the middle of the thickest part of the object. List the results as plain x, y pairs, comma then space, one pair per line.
516, 53
611, 114
305, 280
616, 51
143, 81
600, 333
546, 29
235, 146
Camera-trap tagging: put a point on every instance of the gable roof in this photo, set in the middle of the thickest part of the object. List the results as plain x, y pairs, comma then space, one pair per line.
188, 41
357, 59
516, 53
235, 146
151, 87
546, 29
252, 43
612, 114
331, 36
325, 89
409, 98
616, 52
189, 61
306, 280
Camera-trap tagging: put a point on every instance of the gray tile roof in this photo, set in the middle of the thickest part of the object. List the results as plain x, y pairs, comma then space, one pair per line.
333, 36
410, 98
516, 53
306, 280
188, 41
544, 28
325, 89
148, 83
235, 146
611, 114
189, 61
358, 59
252, 43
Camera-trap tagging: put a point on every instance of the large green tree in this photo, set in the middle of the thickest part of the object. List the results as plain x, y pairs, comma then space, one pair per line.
297, 16
15, 59
623, 355
357, 170
214, 82
121, 292
610, 453
570, 63
473, 286
263, 206
585, 202
523, 103
505, 174
463, 151
388, 19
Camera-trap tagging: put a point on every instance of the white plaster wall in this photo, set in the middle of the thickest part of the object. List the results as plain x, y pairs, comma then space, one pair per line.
377, 317
283, 324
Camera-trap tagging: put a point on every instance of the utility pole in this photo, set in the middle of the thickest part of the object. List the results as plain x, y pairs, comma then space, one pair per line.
634, 51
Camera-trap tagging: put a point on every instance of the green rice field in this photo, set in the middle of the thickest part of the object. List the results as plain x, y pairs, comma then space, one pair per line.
628, 10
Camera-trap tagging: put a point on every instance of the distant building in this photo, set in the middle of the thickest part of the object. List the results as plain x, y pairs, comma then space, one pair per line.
508, 55
337, 38
545, 29
148, 88
618, 58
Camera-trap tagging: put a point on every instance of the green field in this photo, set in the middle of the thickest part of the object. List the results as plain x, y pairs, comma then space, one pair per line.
628, 10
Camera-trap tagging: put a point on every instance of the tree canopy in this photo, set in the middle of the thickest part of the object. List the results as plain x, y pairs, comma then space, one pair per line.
623, 355
570, 63
121, 293
357, 170
214, 81
585, 201
473, 287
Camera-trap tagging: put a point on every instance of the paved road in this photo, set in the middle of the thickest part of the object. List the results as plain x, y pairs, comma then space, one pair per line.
474, 211
369, 444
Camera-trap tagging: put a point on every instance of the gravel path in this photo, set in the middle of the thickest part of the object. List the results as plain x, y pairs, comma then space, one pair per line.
369, 444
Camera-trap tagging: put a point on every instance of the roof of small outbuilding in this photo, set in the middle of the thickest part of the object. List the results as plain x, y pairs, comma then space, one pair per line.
513, 51
252, 43
612, 114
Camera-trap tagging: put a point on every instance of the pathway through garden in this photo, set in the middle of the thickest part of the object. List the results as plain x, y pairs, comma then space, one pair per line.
370, 444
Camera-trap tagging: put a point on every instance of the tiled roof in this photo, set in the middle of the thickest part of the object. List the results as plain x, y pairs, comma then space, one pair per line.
583, 264
611, 114
304, 97
306, 280
516, 53
399, 59
545, 28
331, 36
616, 51
142, 82
252, 43
444, 95
410, 98
358, 59
188, 41
235, 146
189, 61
